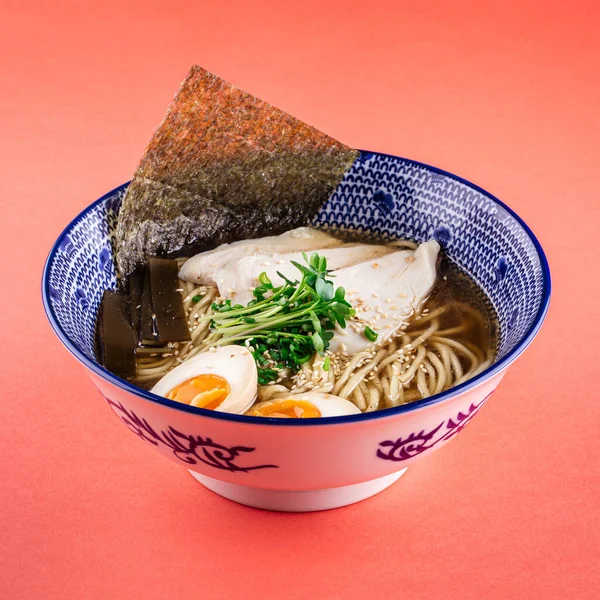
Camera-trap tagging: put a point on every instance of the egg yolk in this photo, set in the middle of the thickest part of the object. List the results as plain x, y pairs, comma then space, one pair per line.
289, 409
203, 391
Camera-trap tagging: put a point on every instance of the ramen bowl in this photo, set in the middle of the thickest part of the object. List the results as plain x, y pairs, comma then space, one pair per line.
317, 464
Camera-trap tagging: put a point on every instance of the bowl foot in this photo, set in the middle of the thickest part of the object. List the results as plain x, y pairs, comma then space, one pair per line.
297, 501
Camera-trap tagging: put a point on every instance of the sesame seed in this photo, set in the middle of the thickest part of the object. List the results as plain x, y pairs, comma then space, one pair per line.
375, 295
212, 349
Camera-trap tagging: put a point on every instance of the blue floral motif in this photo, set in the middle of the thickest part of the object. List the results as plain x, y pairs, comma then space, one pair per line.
104, 259
54, 294
363, 157
501, 269
67, 246
437, 178
384, 201
82, 301
442, 235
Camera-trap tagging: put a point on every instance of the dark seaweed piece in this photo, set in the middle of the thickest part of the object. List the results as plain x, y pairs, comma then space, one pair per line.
167, 301
136, 282
98, 335
224, 166
147, 328
115, 338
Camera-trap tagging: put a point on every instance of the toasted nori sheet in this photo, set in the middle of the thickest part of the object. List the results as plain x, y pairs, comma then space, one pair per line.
224, 166
115, 338
167, 302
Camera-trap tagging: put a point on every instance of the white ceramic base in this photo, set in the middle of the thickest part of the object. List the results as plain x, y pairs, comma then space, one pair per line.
297, 501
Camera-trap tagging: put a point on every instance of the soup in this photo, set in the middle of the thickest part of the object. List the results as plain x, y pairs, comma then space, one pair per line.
449, 339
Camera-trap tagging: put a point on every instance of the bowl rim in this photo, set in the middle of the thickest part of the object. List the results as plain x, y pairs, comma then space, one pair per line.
449, 394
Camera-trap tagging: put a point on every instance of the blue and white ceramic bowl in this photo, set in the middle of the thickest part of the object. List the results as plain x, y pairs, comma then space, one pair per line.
299, 465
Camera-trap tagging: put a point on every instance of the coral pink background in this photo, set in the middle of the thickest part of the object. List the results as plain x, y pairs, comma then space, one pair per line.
505, 94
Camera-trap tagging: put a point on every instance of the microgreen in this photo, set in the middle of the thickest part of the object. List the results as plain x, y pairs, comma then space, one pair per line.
285, 325
370, 334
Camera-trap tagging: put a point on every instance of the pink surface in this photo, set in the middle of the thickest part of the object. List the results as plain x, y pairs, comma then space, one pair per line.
507, 97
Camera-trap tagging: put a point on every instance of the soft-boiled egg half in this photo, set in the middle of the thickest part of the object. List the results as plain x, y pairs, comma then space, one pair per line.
224, 379
305, 406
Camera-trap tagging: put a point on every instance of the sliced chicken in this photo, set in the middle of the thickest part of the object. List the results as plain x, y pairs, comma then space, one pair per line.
385, 293
202, 268
237, 279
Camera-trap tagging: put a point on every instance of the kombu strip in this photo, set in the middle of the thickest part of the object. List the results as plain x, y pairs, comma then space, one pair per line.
146, 327
136, 281
162, 316
115, 338
169, 315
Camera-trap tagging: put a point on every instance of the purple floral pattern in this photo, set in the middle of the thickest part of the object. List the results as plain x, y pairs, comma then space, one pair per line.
416, 443
189, 449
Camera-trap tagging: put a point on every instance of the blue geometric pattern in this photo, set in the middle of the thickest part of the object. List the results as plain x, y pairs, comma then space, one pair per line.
477, 233
82, 268
381, 197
